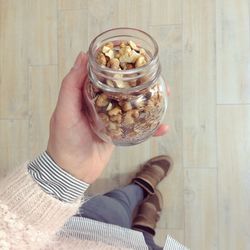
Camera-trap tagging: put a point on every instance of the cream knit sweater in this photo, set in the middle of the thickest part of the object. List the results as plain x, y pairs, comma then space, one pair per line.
30, 217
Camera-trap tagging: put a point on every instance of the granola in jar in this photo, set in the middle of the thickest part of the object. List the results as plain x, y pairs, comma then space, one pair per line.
126, 93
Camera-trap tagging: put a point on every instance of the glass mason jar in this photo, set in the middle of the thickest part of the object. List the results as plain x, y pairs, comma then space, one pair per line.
129, 114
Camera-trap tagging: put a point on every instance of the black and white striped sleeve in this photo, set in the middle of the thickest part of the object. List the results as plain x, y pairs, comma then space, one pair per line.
54, 180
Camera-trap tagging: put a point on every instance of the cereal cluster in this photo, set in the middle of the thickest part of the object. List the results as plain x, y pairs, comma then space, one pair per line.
126, 116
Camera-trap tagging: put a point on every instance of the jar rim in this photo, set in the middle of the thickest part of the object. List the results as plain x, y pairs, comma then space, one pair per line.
153, 60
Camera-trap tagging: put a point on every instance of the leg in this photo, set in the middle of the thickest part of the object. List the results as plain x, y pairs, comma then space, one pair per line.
115, 207
130, 197
150, 241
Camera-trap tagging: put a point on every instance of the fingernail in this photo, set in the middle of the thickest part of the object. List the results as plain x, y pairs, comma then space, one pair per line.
78, 61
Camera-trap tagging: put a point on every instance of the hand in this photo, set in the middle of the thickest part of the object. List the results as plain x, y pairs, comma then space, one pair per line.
72, 144
163, 128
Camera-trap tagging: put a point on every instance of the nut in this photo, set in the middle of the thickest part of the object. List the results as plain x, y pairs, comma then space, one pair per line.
130, 116
140, 61
110, 45
128, 55
134, 113
102, 101
116, 118
114, 129
119, 83
145, 54
108, 52
125, 50
150, 103
133, 45
101, 59
133, 83
117, 55
109, 106
110, 83
123, 44
139, 103
143, 80
105, 49
126, 106
104, 117
113, 126
116, 133
114, 63
123, 65
115, 111
128, 119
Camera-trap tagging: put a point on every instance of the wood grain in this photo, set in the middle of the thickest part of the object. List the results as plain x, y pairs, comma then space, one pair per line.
42, 32
165, 12
201, 218
13, 60
97, 13
13, 144
134, 14
233, 52
169, 39
72, 38
199, 89
204, 51
72, 4
234, 176
44, 90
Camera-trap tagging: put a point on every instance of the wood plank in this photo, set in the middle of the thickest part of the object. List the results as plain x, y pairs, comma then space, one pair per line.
125, 162
72, 4
169, 39
161, 235
201, 219
42, 35
134, 14
165, 12
72, 38
199, 95
44, 91
13, 60
101, 17
234, 176
233, 51
13, 144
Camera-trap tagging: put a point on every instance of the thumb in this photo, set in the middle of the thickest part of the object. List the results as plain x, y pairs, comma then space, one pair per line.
70, 97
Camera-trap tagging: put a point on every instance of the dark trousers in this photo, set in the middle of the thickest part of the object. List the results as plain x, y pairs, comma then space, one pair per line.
117, 207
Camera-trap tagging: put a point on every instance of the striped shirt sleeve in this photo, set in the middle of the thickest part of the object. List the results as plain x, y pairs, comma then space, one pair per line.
54, 180
172, 244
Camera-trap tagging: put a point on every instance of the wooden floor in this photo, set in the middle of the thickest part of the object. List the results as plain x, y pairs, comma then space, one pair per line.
204, 50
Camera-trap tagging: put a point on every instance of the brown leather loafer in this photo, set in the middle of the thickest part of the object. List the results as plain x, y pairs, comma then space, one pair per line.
149, 213
152, 172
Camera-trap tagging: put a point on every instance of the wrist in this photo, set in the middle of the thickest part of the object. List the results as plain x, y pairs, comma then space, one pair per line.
77, 167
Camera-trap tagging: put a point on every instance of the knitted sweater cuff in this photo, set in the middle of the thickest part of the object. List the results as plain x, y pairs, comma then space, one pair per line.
29, 202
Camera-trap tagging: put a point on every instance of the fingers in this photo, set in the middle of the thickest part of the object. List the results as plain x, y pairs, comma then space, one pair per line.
78, 73
168, 90
70, 98
162, 130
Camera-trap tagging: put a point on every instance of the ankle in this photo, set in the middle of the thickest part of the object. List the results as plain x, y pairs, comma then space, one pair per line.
144, 229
